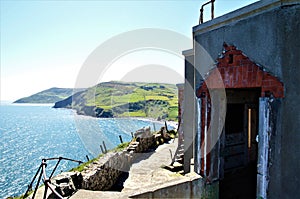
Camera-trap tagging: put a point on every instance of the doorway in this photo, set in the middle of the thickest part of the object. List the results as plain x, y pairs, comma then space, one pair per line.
239, 151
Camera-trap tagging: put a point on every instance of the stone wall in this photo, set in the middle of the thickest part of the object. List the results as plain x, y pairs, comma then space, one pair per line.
144, 140
180, 112
102, 174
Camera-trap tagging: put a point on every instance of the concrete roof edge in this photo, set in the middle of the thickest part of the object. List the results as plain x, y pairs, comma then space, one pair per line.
188, 52
180, 86
242, 13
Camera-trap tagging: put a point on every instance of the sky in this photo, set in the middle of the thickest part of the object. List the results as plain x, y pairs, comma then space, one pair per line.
45, 44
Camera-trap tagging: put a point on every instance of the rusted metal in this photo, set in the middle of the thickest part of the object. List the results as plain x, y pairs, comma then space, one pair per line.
202, 9
47, 182
37, 185
121, 140
105, 149
55, 167
54, 191
166, 126
30, 185
78, 161
212, 9
102, 150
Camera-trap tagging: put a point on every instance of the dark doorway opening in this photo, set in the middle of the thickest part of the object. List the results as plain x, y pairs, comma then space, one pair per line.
239, 152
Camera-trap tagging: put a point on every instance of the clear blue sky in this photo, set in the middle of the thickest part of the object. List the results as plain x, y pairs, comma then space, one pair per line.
44, 43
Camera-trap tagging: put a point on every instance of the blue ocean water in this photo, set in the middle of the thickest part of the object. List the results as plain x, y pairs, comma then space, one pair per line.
29, 133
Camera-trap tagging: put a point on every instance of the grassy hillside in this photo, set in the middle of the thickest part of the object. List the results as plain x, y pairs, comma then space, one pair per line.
51, 95
121, 99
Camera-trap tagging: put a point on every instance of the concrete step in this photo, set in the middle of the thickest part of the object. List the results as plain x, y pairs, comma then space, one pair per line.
131, 148
181, 171
175, 167
179, 154
177, 164
180, 150
179, 160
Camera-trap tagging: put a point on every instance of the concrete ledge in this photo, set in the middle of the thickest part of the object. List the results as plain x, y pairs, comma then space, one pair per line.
189, 52
180, 86
80, 194
242, 13
191, 185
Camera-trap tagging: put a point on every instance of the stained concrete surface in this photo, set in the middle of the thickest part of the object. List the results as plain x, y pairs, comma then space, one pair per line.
149, 172
98, 194
145, 174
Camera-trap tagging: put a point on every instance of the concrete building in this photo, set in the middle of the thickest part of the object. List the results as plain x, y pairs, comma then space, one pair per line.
241, 118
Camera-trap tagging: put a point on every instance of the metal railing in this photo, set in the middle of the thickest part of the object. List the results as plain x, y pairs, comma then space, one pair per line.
202, 10
47, 182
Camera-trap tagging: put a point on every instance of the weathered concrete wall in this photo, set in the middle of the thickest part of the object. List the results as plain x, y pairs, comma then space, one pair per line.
180, 112
290, 119
189, 109
270, 37
193, 187
102, 174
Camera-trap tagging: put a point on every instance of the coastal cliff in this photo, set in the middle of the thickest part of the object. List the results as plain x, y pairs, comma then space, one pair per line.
123, 99
50, 95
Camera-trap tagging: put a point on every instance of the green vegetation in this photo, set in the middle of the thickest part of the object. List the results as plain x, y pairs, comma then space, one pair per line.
22, 196
82, 166
17, 197
51, 95
121, 147
122, 99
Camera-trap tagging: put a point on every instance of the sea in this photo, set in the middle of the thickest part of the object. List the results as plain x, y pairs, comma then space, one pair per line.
32, 132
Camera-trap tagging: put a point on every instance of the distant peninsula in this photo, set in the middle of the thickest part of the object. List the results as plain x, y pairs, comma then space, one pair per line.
124, 99
51, 95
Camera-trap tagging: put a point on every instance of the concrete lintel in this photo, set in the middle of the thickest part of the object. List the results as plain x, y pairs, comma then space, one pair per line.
242, 13
180, 86
187, 53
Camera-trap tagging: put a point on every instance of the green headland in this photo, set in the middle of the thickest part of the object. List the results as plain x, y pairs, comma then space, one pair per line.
123, 99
